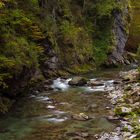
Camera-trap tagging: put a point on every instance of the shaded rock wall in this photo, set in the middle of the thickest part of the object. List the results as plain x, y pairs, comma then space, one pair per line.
121, 33
134, 36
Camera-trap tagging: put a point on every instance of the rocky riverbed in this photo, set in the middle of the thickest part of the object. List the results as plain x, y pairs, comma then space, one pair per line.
126, 101
102, 106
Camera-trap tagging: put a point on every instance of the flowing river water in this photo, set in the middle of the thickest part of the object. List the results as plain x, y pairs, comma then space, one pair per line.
54, 115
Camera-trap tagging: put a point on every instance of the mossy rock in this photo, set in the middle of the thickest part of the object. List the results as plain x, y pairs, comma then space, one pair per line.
123, 111
78, 81
5, 105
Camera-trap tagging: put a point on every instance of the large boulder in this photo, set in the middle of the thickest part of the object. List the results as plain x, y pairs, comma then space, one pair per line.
78, 81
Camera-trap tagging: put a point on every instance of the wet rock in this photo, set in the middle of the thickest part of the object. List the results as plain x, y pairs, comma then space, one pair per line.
128, 88
132, 137
50, 107
112, 118
127, 62
123, 110
47, 87
116, 82
128, 128
78, 81
48, 82
126, 134
84, 134
128, 100
110, 136
80, 117
95, 83
131, 75
135, 105
116, 95
107, 107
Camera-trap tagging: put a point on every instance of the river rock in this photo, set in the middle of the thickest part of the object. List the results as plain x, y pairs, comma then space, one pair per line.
123, 110
110, 136
95, 83
116, 82
131, 75
132, 137
128, 88
91, 107
80, 117
48, 82
78, 81
47, 87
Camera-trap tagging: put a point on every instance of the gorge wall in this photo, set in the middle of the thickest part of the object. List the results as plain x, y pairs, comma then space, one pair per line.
122, 21
52, 38
134, 37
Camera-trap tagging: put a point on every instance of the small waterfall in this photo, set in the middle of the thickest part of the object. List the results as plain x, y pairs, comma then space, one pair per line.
60, 84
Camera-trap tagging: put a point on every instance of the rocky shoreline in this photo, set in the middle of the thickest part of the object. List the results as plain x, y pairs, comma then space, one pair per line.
126, 101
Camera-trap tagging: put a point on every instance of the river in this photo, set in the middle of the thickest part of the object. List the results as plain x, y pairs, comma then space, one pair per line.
56, 115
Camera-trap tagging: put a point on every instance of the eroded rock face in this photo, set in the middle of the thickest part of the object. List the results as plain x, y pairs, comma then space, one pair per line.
49, 64
121, 25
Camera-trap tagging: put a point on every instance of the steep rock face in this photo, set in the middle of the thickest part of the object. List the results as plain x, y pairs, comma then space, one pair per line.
77, 42
49, 66
69, 45
134, 36
121, 32
74, 35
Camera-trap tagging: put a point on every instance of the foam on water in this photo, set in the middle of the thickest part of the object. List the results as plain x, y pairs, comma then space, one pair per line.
42, 98
107, 86
57, 120
61, 84
50, 107
95, 89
